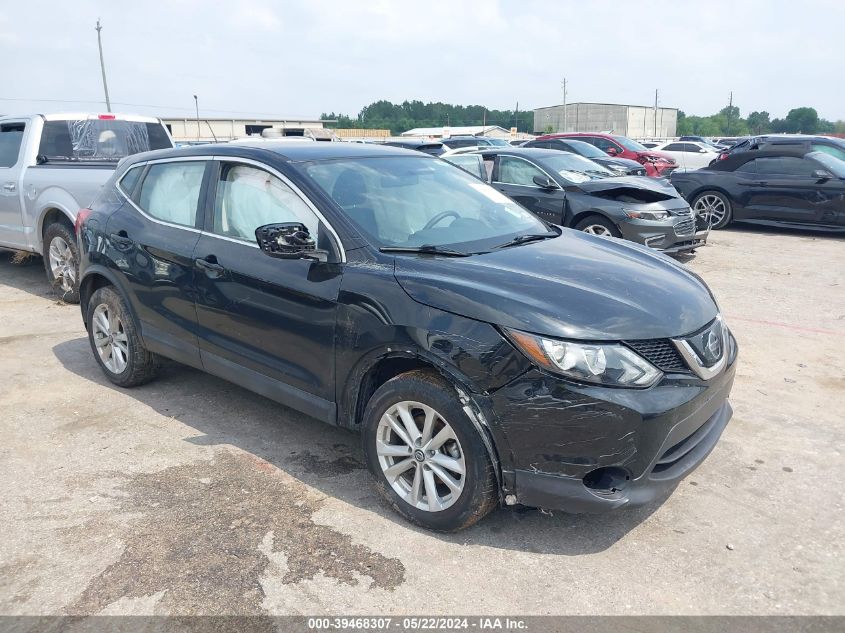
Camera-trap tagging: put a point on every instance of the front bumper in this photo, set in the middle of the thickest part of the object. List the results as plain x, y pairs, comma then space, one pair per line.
668, 237
594, 449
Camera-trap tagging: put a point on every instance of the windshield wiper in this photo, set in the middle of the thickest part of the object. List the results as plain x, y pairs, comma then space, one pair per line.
523, 239
430, 249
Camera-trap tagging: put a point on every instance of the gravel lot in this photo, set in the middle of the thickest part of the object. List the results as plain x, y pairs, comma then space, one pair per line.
193, 496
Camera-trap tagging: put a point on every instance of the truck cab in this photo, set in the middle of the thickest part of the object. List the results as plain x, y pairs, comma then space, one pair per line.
51, 165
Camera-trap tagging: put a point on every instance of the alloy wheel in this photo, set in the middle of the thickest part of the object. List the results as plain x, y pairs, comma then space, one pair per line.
711, 208
62, 263
420, 456
597, 229
110, 339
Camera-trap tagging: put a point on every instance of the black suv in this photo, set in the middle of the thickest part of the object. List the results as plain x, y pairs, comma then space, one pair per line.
484, 355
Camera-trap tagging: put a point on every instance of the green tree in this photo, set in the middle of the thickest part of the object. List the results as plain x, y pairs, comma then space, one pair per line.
758, 122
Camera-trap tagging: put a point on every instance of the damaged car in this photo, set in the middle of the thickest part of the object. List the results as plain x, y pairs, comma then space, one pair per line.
575, 192
487, 357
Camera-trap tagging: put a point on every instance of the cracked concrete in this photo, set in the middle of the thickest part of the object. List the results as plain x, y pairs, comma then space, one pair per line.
190, 495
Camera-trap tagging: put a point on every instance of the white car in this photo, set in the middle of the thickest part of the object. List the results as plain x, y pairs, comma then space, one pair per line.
688, 154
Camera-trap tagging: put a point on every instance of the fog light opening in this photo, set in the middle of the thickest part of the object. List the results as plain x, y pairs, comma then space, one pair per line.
607, 480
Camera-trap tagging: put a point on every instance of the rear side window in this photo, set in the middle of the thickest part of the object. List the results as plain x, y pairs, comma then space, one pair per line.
781, 166
130, 179
100, 139
170, 191
11, 137
676, 147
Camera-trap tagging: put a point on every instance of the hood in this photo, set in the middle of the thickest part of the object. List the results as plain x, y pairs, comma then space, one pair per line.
627, 163
653, 185
575, 286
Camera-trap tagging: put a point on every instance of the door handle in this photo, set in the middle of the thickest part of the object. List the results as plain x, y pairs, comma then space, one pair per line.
212, 268
9, 186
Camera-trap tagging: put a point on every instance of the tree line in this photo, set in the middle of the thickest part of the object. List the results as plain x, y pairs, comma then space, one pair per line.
729, 122
400, 117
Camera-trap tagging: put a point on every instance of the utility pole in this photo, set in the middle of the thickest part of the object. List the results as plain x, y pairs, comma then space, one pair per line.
99, 28
655, 112
563, 85
730, 112
516, 117
197, 104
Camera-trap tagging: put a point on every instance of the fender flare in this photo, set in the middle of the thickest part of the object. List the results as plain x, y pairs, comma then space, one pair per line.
472, 402
114, 280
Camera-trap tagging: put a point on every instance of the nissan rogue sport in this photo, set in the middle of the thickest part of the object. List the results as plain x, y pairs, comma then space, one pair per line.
485, 356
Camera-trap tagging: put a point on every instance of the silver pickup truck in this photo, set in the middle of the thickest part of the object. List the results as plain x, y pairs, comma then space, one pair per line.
51, 165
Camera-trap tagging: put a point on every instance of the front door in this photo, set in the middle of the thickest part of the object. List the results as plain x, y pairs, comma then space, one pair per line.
265, 323
784, 189
12, 134
514, 177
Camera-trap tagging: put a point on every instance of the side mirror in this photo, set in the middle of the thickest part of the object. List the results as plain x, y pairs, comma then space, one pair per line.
612, 151
288, 240
822, 174
545, 182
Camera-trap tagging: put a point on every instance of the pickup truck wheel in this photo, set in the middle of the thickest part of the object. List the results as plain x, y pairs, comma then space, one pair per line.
115, 342
427, 457
61, 259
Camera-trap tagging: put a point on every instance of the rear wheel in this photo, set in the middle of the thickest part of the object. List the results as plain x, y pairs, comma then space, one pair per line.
427, 457
597, 225
115, 341
714, 208
61, 260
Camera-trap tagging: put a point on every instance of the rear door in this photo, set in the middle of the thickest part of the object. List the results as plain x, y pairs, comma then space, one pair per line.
267, 324
514, 177
151, 240
12, 136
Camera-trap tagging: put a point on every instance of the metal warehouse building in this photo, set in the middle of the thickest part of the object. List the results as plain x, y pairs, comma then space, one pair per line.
211, 130
628, 120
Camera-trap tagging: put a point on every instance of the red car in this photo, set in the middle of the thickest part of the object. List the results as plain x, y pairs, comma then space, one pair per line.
657, 164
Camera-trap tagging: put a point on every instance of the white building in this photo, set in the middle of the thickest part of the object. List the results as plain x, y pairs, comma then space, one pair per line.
464, 130
628, 120
190, 130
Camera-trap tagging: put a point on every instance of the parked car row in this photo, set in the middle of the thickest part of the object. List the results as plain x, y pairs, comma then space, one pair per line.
486, 355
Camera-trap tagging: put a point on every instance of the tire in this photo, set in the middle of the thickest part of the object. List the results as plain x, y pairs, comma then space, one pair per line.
716, 203
122, 357
598, 225
61, 261
421, 392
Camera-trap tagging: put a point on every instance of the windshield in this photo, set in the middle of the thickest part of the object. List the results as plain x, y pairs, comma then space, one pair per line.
497, 142
575, 168
585, 149
628, 144
100, 139
412, 201
835, 165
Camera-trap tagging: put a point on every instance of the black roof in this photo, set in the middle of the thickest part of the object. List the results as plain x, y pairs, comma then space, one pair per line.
292, 151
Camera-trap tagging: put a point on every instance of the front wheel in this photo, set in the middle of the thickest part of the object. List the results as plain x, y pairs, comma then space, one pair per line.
427, 457
61, 260
598, 225
714, 208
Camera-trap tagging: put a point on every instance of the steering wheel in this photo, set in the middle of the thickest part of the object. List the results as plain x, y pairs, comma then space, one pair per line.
440, 216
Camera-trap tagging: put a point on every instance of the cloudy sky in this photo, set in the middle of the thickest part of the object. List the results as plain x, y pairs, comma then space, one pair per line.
301, 58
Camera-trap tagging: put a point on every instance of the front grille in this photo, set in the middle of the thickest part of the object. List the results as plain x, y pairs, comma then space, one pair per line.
661, 353
685, 227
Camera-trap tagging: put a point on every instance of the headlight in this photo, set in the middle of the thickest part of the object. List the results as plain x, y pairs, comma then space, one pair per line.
613, 365
646, 215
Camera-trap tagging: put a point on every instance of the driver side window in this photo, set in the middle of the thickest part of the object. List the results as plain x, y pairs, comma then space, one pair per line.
248, 197
516, 171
